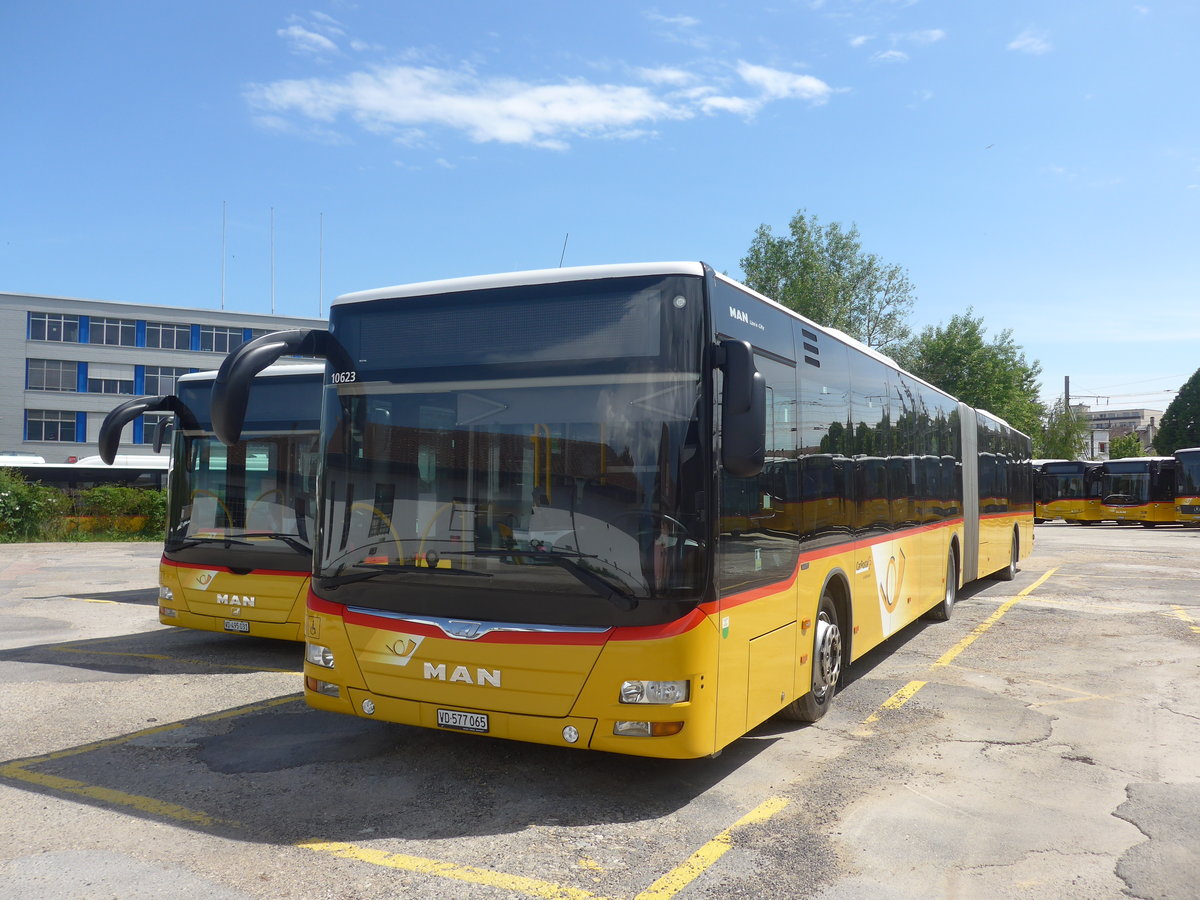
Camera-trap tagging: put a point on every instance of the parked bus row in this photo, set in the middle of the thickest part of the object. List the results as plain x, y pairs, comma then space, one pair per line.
1146, 490
632, 508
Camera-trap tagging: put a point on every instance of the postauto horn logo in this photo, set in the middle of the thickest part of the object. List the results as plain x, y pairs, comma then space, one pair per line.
404, 646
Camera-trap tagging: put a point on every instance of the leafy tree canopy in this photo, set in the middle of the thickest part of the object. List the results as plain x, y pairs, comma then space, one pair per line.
1180, 424
1124, 446
1063, 435
822, 272
990, 375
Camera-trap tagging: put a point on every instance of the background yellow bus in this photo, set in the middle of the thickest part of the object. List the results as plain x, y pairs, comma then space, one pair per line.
1068, 490
1138, 490
238, 551
1187, 486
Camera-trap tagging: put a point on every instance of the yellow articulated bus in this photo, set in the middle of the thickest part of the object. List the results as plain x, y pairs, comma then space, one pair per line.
238, 551
1187, 486
1138, 490
1068, 490
634, 508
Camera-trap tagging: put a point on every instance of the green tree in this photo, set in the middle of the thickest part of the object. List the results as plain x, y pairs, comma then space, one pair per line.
822, 272
1125, 445
1180, 424
1063, 435
990, 375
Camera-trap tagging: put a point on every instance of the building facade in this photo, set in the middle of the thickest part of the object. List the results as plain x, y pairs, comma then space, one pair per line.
1120, 422
65, 363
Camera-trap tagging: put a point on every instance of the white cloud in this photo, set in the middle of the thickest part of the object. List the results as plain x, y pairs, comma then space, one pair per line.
666, 75
503, 110
302, 40
890, 56
1032, 42
403, 102
678, 21
860, 39
928, 36
739, 106
777, 84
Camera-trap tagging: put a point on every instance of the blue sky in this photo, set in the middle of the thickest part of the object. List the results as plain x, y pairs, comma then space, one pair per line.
1038, 161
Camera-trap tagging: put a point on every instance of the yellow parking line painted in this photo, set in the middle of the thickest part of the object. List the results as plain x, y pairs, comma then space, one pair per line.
157, 729
949, 656
664, 888
159, 657
530, 887
88, 600
896, 701
147, 805
1182, 613
907, 692
20, 770
699, 862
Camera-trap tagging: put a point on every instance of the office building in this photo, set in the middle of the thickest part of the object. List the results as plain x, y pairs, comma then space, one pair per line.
65, 363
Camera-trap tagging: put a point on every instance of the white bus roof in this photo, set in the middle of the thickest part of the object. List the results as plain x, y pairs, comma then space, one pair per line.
520, 279
305, 368
592, 273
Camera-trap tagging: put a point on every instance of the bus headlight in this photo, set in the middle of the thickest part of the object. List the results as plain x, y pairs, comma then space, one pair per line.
662, 693
165, 593
318, 655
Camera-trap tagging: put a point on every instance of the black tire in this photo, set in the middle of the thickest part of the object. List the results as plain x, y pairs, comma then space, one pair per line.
827, 658
1149, 524
1009, 572
945, 608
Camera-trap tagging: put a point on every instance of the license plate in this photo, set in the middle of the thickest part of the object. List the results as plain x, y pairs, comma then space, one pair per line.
237, 625
463, 721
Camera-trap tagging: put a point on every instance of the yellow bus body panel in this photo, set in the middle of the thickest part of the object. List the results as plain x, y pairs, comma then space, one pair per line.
208, 598
745, 657
1156, 512
1079, 510
1187, 510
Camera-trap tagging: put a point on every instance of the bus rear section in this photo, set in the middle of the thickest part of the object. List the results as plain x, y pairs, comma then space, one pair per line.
1187, 486
1069, 490
238, 553
635, 508
1139, 490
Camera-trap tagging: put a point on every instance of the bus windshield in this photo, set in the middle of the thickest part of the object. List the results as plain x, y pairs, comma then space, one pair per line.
1064, 481
562, 490
1126, 484
1188, 473
252, 500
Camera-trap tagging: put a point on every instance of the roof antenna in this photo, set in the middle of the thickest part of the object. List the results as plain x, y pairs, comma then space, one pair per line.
564, 249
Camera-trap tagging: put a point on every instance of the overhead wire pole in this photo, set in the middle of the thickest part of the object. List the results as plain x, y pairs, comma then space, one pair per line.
223, 254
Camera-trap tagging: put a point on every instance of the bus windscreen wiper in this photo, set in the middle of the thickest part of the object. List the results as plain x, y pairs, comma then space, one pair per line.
333, 581
185, 543
603, 587
292, 540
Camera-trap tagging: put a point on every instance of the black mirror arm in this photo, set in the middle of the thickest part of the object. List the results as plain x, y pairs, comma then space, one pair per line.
231, 388
118, 418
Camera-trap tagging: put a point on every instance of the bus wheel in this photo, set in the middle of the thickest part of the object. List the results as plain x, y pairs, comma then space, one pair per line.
1009, 572
1149, 524
826, 666
942, 611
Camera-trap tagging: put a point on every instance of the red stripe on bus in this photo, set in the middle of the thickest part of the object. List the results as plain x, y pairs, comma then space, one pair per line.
183, 565
731, 600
